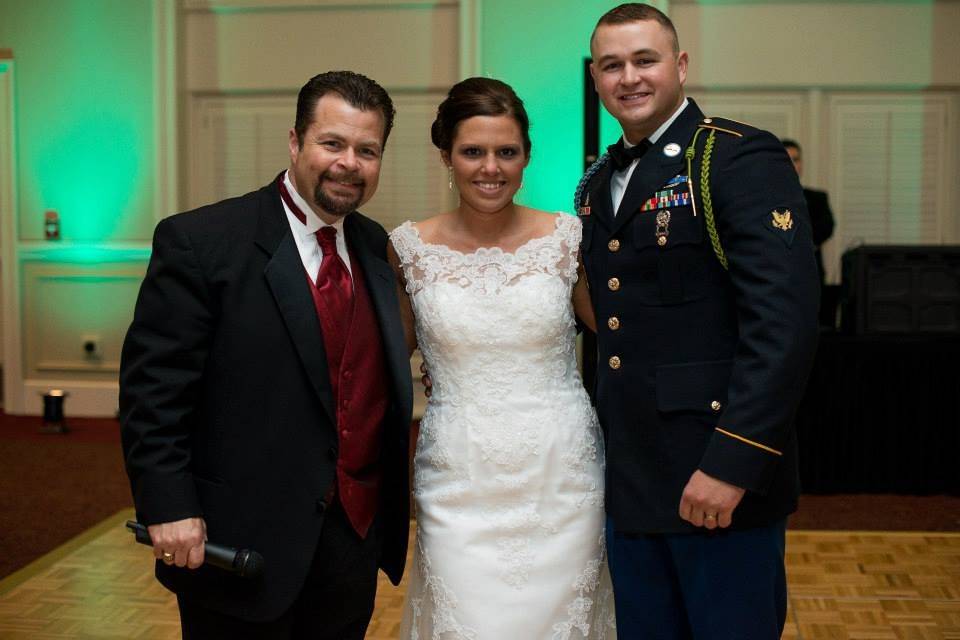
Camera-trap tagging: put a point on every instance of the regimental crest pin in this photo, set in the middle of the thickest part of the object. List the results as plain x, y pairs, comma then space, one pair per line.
782, 220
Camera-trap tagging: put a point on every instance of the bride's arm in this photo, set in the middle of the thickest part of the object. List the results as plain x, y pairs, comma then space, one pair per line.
406, 310
581, 299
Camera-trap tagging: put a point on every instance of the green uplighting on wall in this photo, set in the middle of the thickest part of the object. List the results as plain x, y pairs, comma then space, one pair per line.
94, 191
85, 125
540, 53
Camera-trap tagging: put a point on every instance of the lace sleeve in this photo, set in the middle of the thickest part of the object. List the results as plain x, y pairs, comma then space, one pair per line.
404, 240
569, 229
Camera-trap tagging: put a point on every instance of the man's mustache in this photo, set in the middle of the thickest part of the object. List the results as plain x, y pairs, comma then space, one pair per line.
352, 178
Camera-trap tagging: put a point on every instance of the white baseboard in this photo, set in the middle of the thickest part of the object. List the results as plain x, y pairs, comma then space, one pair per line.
85, 399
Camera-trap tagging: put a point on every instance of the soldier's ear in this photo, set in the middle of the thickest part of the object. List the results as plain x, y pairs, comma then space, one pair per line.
682, 61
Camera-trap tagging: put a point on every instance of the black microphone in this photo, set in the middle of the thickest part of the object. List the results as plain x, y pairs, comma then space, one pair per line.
243, 563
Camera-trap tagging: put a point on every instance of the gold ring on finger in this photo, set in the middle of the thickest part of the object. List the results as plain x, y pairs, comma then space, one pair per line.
167, 557
710, 516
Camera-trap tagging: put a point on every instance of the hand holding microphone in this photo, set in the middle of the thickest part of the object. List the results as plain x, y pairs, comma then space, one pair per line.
178, 543
184, 544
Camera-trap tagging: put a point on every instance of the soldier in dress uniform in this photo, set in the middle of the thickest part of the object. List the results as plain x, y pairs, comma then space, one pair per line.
699, 257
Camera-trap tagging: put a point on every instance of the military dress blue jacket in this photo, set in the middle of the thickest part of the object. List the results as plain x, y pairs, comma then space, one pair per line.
706, 293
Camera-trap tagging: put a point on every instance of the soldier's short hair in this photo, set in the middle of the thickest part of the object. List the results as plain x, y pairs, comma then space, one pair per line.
638, 12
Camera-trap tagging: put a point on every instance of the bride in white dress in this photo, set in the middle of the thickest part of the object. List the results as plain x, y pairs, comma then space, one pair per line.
508, 473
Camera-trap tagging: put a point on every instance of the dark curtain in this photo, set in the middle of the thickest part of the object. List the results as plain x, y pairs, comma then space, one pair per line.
882, 415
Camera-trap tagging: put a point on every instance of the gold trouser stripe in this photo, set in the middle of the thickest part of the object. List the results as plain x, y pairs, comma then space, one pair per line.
750, 442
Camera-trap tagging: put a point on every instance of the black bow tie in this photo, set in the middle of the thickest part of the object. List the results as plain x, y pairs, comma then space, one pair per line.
622, 156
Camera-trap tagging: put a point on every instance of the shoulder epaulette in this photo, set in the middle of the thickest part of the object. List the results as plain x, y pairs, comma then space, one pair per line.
723, 124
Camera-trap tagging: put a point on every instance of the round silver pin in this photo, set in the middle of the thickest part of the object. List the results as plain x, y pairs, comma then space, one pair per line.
672, 150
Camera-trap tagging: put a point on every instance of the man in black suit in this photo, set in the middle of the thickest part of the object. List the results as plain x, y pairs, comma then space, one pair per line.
265, 394
698, 252
821, 217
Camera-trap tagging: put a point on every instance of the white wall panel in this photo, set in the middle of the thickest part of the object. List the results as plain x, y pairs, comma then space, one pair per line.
402, 46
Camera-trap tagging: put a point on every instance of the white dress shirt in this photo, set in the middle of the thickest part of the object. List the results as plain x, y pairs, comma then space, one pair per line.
306, 234
620, 179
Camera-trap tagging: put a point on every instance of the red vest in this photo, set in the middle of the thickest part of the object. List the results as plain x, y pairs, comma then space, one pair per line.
360, 385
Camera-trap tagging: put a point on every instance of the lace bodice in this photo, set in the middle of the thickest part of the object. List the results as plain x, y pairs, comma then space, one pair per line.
508, 471
493, 316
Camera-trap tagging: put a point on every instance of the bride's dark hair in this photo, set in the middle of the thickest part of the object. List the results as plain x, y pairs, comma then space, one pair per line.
477, 97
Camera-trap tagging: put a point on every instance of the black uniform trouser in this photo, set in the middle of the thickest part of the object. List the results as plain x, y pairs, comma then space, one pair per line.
336, 601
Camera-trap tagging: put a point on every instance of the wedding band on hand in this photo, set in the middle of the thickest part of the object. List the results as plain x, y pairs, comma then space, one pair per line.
710, 516
167, 557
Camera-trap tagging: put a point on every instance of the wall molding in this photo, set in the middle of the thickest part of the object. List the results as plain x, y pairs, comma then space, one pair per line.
81, 253
12, 353
471, 26
165, 117
72, 366
249, 6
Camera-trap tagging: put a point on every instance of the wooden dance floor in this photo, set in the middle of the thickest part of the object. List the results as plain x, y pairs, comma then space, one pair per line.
856, 585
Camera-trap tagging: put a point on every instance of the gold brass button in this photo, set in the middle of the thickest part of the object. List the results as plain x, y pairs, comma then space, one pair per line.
614, 245
613, 284
613, 323
662, 240
715, 405
614, 362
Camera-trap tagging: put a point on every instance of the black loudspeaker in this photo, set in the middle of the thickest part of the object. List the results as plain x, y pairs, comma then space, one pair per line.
901, 289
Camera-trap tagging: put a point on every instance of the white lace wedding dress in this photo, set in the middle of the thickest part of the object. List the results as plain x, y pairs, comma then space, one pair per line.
508, 473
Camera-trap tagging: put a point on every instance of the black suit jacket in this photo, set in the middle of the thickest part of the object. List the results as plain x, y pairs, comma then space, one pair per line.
225, 397
700, 367
821, 221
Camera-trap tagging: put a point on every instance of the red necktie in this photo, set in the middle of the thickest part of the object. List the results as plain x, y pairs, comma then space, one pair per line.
333, 279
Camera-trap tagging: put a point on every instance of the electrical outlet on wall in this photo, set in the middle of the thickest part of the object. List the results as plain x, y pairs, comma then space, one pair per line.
90, 343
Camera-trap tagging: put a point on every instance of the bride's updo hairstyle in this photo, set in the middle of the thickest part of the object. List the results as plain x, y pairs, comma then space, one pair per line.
477, 97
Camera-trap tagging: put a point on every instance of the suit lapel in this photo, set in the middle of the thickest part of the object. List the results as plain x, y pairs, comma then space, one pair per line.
381, 283
287, 281
655, 168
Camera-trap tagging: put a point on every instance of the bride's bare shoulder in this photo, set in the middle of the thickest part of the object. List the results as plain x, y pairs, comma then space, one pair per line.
430, 228
543, 222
